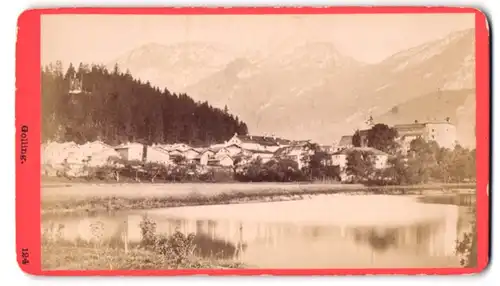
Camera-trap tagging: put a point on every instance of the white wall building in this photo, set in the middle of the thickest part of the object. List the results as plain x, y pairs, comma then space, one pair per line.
131, 151
294, 153
205, 156
443, 133
157, 155
259, 143
224, 160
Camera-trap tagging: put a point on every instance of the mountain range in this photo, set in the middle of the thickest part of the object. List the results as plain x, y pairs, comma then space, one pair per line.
312, 91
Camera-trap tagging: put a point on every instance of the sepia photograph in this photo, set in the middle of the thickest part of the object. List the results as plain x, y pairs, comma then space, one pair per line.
273, 141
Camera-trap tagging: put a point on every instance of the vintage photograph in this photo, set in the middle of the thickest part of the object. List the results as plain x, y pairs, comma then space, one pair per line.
333, 141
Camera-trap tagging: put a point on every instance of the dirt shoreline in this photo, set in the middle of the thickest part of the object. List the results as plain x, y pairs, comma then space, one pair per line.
85, 198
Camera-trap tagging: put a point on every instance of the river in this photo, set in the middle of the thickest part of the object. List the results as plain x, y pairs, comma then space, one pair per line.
321, 231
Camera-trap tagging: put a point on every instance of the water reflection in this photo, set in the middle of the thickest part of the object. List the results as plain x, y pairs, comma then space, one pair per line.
425, 242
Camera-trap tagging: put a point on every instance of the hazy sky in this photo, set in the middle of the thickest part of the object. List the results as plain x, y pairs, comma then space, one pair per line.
368, 38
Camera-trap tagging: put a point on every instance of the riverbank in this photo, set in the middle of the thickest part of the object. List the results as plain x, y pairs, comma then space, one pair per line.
57, 257
84, 198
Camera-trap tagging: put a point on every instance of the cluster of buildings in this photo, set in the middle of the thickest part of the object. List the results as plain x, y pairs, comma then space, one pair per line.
442, 132
238, 149
72, 159
243, 148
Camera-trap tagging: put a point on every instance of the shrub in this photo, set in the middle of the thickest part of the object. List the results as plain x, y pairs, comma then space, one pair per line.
148, 232
466, 248
177, 249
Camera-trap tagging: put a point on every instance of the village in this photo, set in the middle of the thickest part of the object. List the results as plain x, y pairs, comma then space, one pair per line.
72, 159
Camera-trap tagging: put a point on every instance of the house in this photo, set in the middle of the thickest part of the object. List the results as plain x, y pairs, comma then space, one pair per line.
157, 155
216, 147
222, 151
73, 159
190, 154
199, 149
339, 158
295, 153
185, 152
264, 155
345, 142
176, 152
98, 153
179, 146
262, 143
54, 154
443, 133
132, 151
205, 156
223, 159
329, 149
232, 149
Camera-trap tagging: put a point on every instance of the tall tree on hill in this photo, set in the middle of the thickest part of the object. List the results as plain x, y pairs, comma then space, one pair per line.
383, 137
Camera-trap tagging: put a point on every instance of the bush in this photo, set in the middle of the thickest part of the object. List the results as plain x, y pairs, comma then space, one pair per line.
154, 251
177, 249
148, 232
283, 170
466, 247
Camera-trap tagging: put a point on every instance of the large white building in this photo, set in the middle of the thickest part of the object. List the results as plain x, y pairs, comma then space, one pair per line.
443, 133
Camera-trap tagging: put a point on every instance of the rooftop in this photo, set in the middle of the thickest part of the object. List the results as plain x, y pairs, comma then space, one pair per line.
346, 140
421, 124
288, 149
268, 140
360, 149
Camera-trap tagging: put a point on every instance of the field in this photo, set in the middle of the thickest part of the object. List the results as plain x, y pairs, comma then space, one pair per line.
104, 197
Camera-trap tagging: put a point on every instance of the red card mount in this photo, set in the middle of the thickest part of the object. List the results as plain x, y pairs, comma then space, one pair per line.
28, 136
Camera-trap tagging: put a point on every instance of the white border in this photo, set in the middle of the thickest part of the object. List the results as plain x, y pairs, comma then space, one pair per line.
9, 268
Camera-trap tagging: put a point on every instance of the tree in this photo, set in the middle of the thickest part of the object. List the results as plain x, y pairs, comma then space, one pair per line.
444, 158
463, 164
421, 161
153, 170
356, 139
237, 161
397, 170
116, 69
291, 171
116, 108
383, 138
360, 165
252, 171
316, 163
179, 160
70, 73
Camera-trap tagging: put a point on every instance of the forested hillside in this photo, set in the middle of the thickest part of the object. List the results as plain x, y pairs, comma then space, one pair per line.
114, 107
